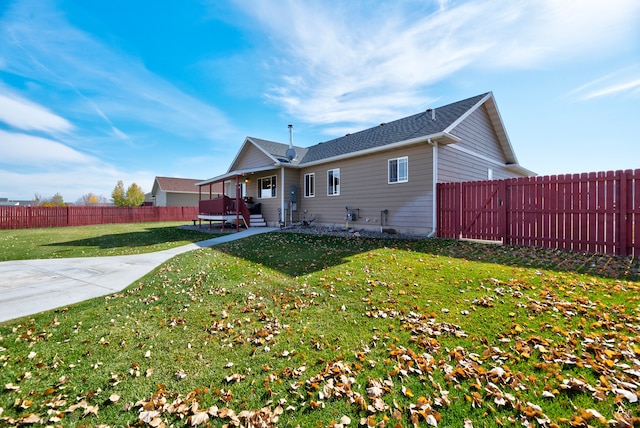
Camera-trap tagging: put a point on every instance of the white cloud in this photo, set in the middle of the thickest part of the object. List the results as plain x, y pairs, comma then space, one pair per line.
343, 59
29, 116
23, 149
625, 81
632, 86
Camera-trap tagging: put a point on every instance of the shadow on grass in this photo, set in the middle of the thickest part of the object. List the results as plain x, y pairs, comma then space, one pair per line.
297, 254
145, 238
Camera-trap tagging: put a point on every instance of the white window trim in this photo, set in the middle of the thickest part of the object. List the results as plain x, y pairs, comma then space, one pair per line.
310, 193
274, 193
329, 187
397, 160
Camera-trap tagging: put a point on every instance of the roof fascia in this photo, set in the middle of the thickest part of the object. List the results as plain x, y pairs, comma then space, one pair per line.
496, 121
235, 173
440, 137
259, 147
242, 148
187, 192
521, 170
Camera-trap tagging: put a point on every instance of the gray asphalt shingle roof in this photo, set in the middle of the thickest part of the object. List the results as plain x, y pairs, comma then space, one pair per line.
279, 150
417, 125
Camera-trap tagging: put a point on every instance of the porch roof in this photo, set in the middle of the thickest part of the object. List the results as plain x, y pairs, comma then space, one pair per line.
238, 172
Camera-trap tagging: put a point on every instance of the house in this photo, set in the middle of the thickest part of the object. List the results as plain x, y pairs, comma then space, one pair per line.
6, 202
381, 177
170, 191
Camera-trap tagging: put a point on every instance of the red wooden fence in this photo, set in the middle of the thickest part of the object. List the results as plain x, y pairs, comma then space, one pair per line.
31, 217
591, 212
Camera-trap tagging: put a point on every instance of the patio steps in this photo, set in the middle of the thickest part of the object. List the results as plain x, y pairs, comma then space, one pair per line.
257, 221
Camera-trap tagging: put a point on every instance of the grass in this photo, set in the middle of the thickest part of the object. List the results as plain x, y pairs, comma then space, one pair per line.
92, 241
303, 330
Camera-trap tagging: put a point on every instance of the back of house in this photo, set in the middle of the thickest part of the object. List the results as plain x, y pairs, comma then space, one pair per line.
383, 177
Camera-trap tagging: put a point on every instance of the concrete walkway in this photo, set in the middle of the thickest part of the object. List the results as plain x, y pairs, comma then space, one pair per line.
31, 286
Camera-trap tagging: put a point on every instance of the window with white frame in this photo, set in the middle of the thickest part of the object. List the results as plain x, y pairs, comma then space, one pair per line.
310, 185
333, 182
399, 170
267, 187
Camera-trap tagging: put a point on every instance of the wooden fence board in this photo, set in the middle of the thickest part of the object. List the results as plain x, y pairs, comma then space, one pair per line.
39, 217
589, 212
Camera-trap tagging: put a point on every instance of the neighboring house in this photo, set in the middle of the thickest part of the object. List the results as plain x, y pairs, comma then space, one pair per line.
382, 177
171, 192
6, 202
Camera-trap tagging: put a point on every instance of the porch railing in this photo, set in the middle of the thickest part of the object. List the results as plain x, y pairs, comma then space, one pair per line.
225, 206
219, 206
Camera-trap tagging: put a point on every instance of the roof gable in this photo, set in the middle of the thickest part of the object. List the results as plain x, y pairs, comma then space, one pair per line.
278, 151
179, 185
256, 152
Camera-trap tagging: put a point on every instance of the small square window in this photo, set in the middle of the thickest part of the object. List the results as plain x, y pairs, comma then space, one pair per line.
399, 170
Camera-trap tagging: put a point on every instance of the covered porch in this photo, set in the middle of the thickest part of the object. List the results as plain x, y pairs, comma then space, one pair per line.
225, 199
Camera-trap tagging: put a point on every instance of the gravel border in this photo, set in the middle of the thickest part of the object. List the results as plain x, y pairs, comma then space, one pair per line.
350, 233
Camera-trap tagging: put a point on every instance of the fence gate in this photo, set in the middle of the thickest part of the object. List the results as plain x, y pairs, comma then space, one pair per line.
482, 211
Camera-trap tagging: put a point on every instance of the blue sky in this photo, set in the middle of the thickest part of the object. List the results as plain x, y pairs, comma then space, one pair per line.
92, 92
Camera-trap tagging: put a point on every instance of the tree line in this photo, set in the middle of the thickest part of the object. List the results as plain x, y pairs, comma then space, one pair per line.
133, 196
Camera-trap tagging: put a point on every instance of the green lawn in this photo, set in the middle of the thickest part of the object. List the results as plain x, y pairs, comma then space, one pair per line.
303, 330
91, 241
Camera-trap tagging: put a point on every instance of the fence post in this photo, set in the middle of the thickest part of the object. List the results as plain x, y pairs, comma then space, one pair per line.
458, 209
622, 213
502, 211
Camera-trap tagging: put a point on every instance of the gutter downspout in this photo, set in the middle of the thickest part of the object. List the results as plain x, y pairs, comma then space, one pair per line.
434, 213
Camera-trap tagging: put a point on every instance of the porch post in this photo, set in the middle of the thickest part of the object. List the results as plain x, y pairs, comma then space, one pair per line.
237, 203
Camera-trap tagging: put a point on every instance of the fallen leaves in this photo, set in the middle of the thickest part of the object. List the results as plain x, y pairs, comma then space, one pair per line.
163, 404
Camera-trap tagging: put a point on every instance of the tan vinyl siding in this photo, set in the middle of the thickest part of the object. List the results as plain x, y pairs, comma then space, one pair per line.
182, 200
269, 206
292, 178
364, 186
478, 138
251, 157
478, 135
454, 165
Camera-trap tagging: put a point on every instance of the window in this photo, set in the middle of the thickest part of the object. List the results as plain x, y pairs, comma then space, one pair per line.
309, 185
267, 187
399, 170
333, 182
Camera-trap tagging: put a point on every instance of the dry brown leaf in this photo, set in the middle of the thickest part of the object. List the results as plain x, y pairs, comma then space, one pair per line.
31, 418
90, 410
198, 418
